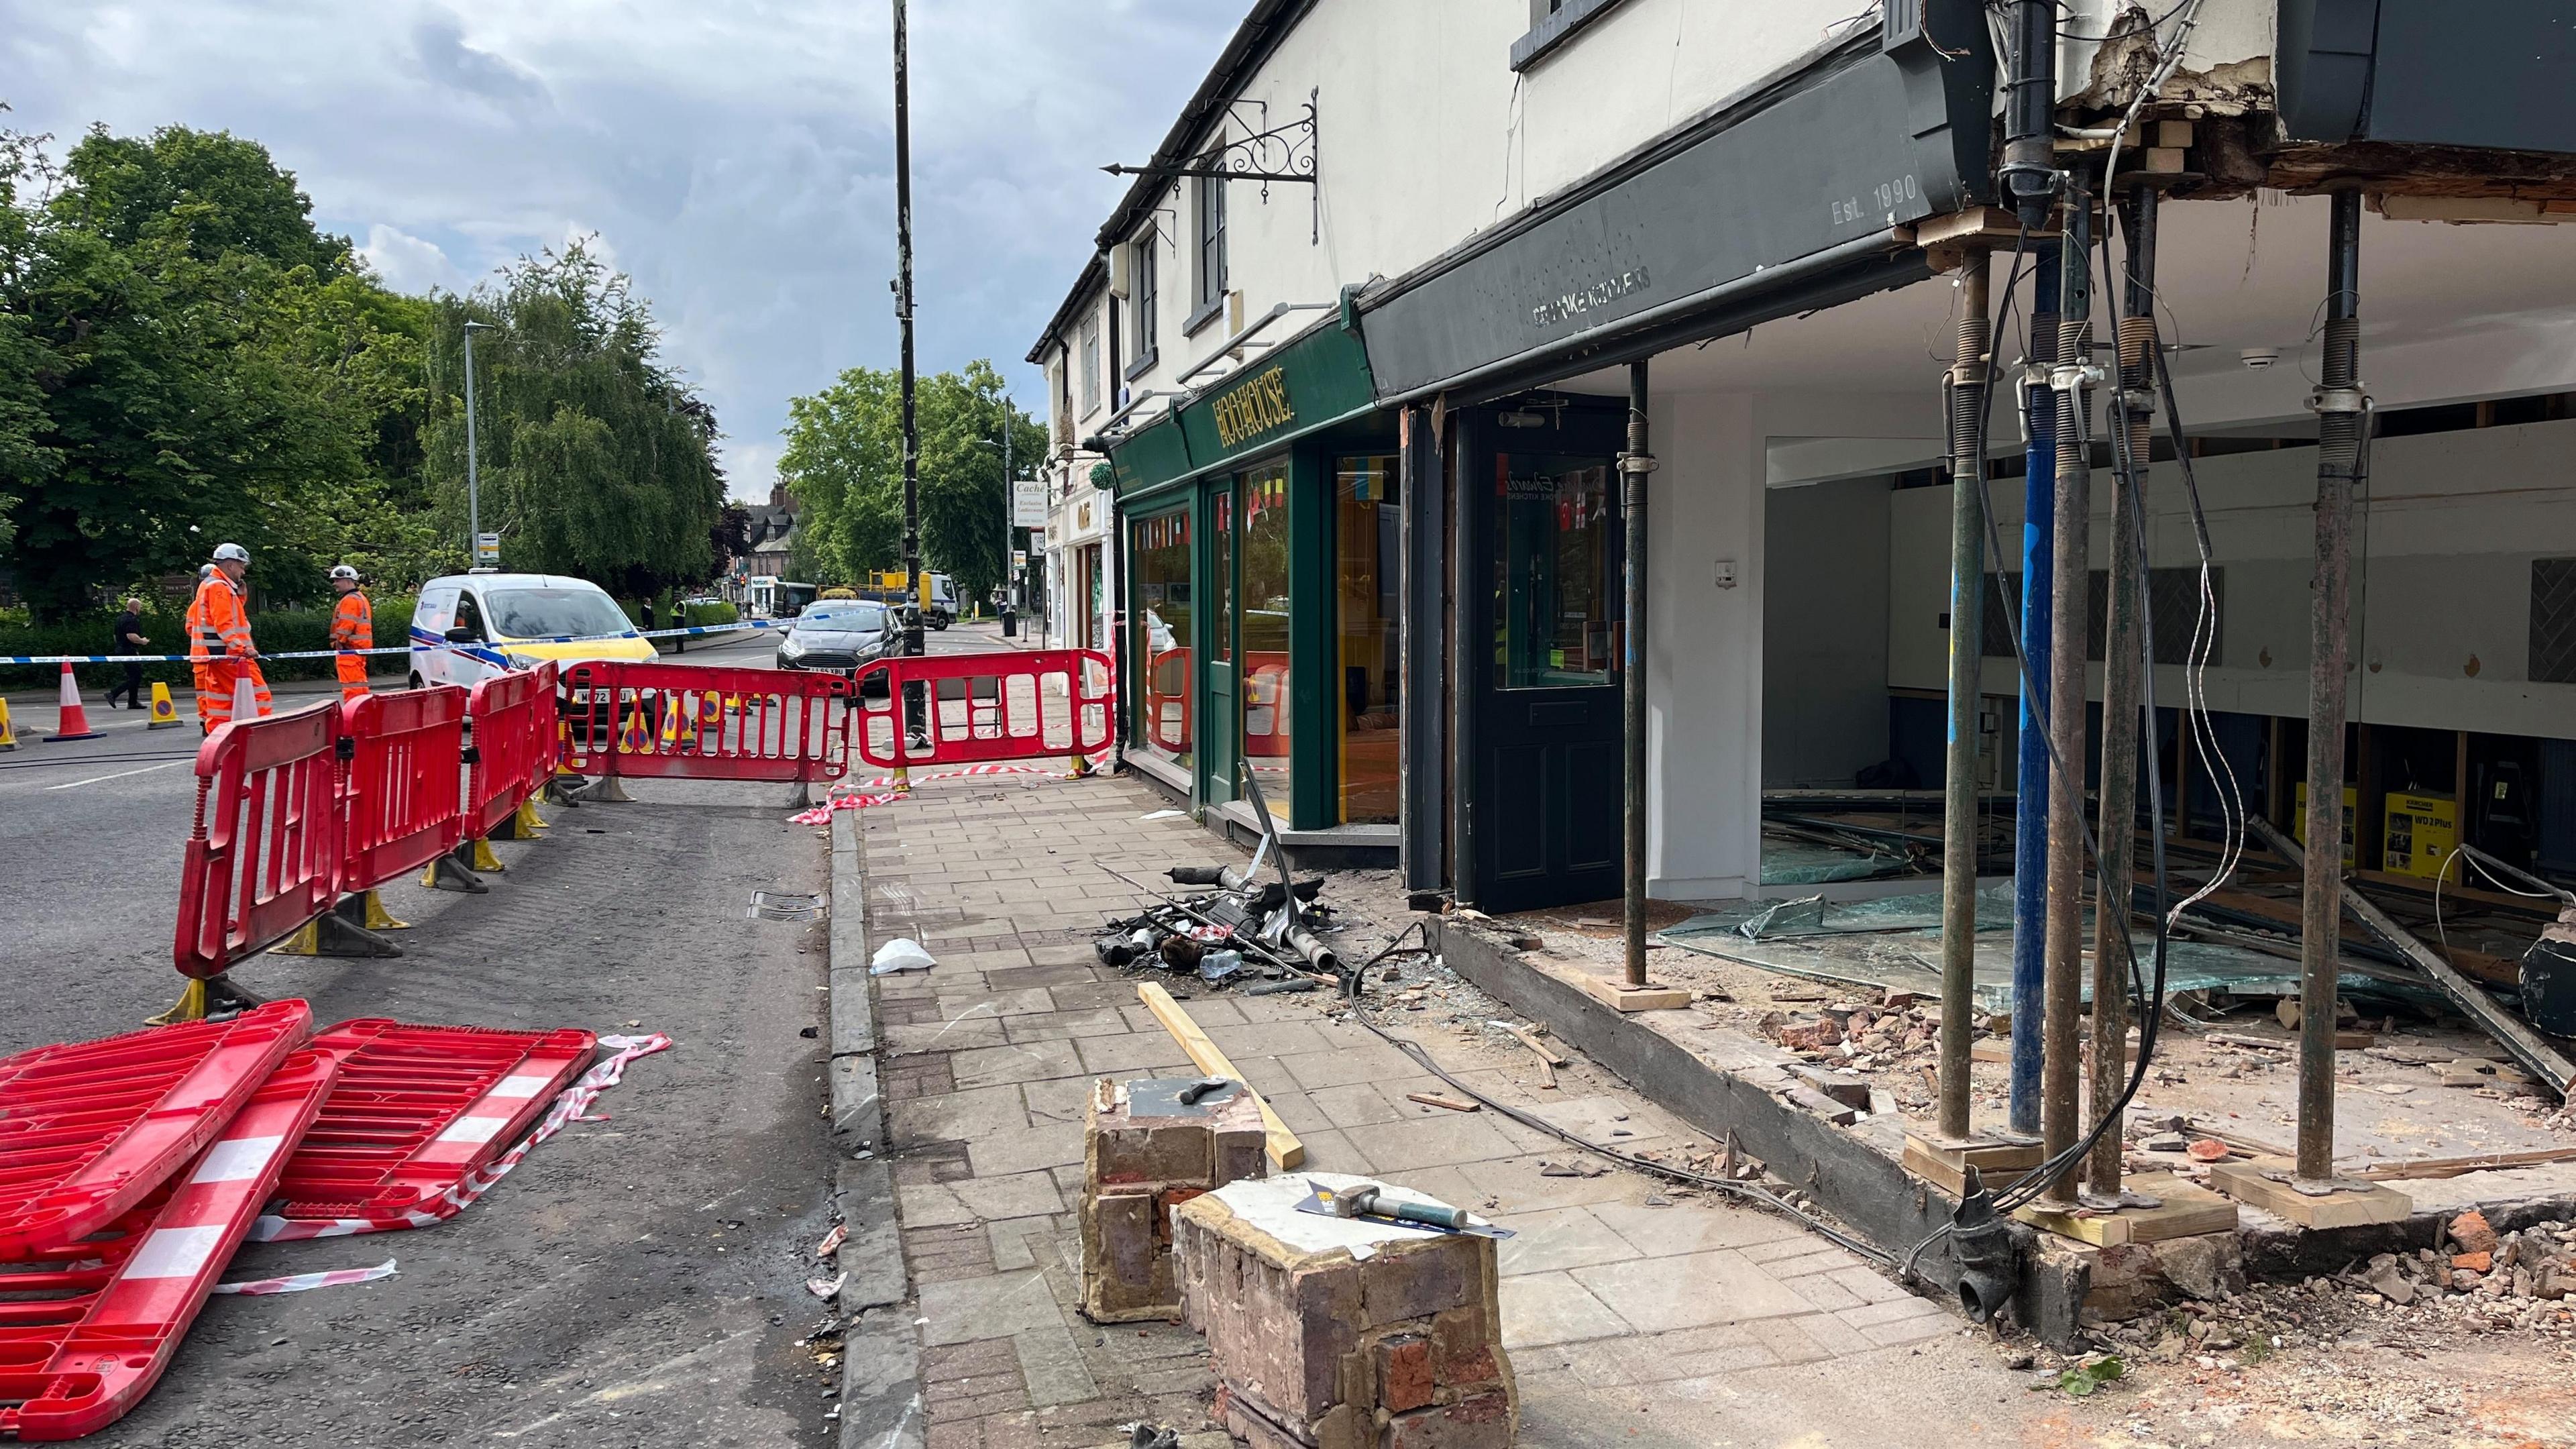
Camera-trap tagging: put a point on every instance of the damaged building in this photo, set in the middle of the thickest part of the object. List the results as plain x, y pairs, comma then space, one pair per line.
1655, 452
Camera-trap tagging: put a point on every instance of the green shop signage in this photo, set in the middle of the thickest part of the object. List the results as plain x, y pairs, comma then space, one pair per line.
1313, 381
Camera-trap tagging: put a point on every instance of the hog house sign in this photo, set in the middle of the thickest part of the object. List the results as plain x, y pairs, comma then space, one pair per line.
1254, 410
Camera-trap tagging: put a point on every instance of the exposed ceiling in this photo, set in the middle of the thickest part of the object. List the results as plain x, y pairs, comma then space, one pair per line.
2233, 275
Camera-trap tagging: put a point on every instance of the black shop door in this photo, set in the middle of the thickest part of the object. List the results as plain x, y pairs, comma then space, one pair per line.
1539, 500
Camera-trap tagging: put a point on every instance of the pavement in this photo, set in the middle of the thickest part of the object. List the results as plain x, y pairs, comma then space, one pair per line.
1635, 1314
640, 1279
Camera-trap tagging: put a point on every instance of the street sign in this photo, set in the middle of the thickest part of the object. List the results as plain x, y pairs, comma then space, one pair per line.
487, 549
1028, 503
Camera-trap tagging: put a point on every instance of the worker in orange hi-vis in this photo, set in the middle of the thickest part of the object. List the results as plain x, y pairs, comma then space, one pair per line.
353, 626
219, 649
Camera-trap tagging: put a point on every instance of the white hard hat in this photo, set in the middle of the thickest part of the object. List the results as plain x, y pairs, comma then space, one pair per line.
231, 553
343, 571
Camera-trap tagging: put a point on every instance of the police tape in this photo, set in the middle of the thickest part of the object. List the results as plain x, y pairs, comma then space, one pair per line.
691, 631
300, 1282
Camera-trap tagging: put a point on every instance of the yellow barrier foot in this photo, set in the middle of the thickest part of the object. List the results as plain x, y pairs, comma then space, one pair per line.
216, 996
376, 917
478, 857
191, 1006
448, 873
526, 820
340, 931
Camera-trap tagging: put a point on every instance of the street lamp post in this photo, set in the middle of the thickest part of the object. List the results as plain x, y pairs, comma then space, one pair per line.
473, 468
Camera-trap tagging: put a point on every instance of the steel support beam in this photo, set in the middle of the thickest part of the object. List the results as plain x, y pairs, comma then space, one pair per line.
2072, 583
1967, 410
2341, 420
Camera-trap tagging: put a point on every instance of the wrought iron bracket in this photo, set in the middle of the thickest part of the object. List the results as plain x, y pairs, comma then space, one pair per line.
1282, 153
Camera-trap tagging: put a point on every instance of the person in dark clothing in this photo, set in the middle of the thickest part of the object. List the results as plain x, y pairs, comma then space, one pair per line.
127, 637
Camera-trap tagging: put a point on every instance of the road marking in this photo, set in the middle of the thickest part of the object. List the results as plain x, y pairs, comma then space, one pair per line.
119, 775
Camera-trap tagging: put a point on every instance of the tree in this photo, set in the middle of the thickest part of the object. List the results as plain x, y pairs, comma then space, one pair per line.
844, 462
596, 459
185, 361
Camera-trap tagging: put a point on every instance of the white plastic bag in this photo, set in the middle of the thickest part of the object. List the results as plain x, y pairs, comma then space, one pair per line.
901, 954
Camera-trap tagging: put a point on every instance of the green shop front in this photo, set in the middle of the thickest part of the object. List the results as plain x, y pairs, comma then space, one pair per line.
1260, 534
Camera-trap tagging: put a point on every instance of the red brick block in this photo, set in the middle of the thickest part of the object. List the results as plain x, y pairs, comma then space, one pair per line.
1403, 1373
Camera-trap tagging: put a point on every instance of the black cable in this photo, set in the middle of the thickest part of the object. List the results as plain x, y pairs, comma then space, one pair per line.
1751, 1192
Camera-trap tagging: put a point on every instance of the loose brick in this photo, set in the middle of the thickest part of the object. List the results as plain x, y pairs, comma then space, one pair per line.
1403, 1373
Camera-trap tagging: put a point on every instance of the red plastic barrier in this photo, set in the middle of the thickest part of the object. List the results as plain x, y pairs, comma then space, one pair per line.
87, 1332
1014, 704
656, 720
402, 803
512, 722
263, 857
417, 1108
88, 1129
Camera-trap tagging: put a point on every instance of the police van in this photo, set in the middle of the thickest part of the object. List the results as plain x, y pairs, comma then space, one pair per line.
469, 627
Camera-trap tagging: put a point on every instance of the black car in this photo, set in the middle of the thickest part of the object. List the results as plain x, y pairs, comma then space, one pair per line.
839, 635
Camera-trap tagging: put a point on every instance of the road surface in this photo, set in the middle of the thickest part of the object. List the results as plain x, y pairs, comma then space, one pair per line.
640, 1280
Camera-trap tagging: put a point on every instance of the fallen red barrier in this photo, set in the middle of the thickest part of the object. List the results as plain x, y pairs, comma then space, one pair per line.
88, 1330
89, 1129
417, 1109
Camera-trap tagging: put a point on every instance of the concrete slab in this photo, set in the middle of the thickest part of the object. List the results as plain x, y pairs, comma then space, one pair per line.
1546, 1242
1720, 1287
1545, 1308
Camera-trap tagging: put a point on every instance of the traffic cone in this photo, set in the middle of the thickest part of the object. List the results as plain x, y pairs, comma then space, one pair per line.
165, 715
75, 723
245, 698
8, 731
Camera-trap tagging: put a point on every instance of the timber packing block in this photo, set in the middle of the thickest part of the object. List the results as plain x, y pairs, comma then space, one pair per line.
1147, 1147
1338, 1333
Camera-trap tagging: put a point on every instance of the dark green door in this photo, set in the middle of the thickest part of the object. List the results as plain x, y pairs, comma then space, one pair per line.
1220, 742
1540, 501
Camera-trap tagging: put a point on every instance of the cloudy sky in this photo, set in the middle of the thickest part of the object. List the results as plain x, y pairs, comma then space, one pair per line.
736, 156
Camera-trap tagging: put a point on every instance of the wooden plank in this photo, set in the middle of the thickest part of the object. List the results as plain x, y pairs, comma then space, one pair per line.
1434, 1099
2527, 1046
1530, 1039
1620, 996
2421, 1169
2183, 1210
2245, 1182
1285, 1150
1948, 1170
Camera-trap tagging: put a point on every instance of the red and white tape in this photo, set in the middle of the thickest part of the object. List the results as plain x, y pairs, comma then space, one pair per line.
822, 814
262, 1287
571, 1105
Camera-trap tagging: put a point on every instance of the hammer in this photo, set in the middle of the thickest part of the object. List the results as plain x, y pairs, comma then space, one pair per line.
1370, 1200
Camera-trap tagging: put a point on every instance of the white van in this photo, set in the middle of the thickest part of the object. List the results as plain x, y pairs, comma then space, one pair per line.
469, 627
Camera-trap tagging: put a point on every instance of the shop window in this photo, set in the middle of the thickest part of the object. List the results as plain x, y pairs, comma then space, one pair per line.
1266, 694
1160, 549
1367, 522
1556, 591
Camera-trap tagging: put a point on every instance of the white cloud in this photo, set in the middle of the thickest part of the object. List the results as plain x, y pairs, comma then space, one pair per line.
736, 159
408, 263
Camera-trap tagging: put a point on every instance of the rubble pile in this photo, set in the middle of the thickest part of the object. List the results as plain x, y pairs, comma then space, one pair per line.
2478, 1281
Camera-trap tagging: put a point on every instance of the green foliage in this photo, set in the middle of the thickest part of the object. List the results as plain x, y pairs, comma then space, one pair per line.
595, 459
844, 463
185, 361
709, 614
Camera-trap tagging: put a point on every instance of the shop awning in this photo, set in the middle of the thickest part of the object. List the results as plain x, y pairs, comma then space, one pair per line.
1797, 196
1310, 382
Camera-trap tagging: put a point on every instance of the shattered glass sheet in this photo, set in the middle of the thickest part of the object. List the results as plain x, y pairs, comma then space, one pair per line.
1894, 944
1807, 862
